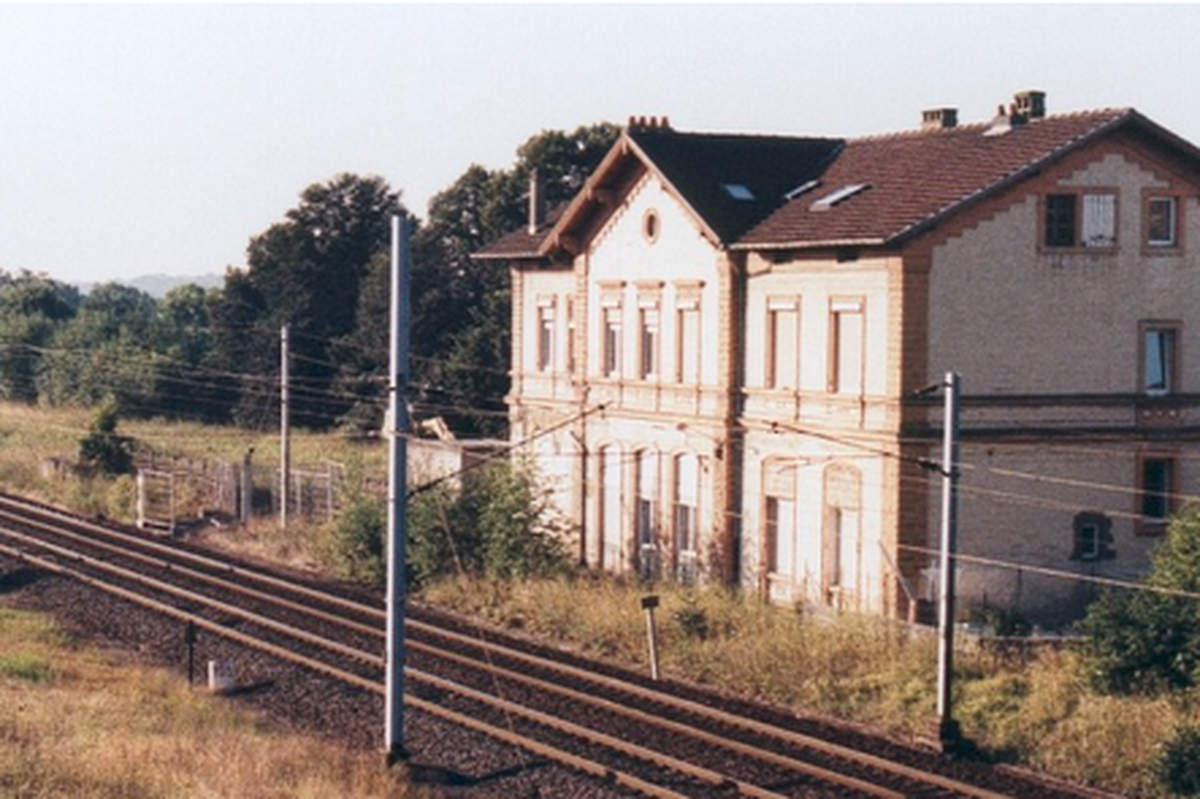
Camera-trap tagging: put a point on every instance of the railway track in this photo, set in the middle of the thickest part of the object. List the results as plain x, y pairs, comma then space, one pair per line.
655, 739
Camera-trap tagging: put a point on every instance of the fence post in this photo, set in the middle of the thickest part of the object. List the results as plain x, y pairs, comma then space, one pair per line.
247, 487
328, 492
141, 498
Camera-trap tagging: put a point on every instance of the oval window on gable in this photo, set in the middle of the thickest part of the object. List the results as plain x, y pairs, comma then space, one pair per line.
650, 225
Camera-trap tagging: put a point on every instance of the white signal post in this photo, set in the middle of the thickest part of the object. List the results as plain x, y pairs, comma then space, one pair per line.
397, 462
948, 730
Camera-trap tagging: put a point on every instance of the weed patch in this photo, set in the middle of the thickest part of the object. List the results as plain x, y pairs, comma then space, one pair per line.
23, 666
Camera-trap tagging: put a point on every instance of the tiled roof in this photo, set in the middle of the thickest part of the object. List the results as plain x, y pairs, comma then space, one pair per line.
520, 243
915, 177
707, 170
737, 184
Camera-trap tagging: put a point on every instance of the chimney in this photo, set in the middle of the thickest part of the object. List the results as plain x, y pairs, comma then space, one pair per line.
1000, 124
939, 118
1030, 104
536, 210
649, 123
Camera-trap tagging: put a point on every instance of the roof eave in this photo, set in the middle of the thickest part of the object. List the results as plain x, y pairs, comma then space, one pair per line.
808, 245
508, 256
585, 195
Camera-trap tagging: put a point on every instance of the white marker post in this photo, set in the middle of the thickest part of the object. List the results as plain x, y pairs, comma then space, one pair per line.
393, 730
285, 458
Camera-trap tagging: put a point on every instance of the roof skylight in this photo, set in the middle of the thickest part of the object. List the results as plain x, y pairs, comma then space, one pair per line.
844, 193
738, 191
808, 185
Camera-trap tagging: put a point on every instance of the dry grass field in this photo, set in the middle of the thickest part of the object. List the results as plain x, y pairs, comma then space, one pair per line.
81, 722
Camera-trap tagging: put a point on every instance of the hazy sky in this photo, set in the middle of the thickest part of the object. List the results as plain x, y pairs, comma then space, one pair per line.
139, 139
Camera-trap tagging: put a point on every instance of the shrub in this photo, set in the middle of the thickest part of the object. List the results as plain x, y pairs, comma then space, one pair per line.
359, 532
1178, 763
498, 524
692, 619
102, 448
1143, 642
120, 498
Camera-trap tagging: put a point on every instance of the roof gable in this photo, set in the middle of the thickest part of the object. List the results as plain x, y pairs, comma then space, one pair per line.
731, 181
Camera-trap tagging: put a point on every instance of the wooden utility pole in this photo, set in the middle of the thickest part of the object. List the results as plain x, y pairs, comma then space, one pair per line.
285, 458
948, 730
397, 484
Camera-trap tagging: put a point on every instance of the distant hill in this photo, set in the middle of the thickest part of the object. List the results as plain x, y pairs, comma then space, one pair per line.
158, 285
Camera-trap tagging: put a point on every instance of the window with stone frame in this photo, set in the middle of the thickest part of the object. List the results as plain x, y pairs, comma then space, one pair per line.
1092, 537
611, 344
783, 343
846, 346
1162, 221
1080, 219
1159, 357
687, 343
1157, 473
545, 334
648, 341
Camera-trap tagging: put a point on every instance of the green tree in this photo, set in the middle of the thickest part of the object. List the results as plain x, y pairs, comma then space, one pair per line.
104, 350
185, 385
1141, 641
305, 271
460, 308
32, 309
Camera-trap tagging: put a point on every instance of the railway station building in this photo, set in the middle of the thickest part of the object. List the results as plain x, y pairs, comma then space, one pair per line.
727, 338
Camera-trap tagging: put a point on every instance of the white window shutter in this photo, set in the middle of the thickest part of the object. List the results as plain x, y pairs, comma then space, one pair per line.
1099, 220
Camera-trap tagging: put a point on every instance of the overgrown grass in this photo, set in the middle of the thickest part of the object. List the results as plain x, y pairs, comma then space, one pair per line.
1041, 714
29, 434
100, 728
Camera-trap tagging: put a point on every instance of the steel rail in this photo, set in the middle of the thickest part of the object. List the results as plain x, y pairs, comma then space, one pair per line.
817, 772
201, 576
764, 728
674, 726
684, 729
217, 563
761, 727
644, 753
538, 747
217, 604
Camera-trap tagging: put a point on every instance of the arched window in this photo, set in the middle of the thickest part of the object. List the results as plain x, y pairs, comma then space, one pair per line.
841, 537
610, 508
646, 515
779, 521
686, 515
